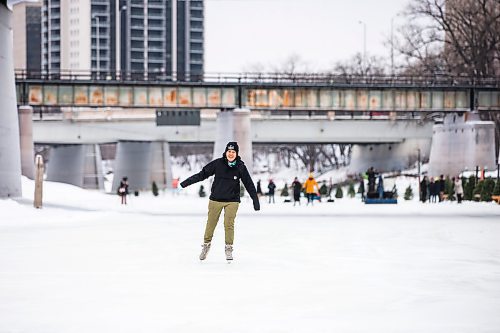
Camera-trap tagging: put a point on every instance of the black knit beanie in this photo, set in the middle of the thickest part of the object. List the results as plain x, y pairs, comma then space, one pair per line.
233, 145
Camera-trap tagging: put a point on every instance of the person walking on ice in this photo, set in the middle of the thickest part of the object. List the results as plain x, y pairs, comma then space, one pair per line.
310, 185
225, 194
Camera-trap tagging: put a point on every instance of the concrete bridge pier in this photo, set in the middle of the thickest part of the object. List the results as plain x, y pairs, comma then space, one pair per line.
235, 125
27, 147
10, 160
461, 142
143, 162
79, 165
389, 156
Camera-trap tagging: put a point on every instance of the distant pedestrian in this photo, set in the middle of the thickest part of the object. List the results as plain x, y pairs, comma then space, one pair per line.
423, 189
371, 174
271, 188
297, 188
433, 191
441, 186
123, 190
309, 185
175, 185
380, 187
361, 189
459, 189
259, 188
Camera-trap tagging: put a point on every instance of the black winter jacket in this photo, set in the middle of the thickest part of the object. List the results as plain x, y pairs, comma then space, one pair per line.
226, 185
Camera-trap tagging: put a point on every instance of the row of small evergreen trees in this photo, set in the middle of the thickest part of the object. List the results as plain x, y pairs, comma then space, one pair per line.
154, 189
474, 190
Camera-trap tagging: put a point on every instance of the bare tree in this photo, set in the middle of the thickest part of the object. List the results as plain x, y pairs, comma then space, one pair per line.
292, 64
319, 157
356, 66
460, 37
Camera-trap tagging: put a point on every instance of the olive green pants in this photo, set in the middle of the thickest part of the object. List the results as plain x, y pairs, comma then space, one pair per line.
214, 211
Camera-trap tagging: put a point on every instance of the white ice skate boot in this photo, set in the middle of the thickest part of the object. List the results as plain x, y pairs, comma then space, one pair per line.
229, 252
204, 251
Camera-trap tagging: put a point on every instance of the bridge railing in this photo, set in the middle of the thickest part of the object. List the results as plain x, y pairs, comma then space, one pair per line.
258, 78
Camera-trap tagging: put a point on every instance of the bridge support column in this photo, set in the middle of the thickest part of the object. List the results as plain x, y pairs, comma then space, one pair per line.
143, 162
235, 125
462, 142
10, 160
79, 165
389, 156
26, 134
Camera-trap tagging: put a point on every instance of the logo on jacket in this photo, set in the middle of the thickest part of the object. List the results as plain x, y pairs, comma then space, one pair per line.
235, 177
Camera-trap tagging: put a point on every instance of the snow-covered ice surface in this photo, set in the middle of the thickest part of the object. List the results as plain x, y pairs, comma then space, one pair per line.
84, 263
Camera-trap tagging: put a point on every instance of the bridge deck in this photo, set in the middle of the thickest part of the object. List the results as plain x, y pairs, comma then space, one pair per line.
278, 92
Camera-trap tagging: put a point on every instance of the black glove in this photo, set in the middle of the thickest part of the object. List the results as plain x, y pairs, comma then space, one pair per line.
183, 184
256, 204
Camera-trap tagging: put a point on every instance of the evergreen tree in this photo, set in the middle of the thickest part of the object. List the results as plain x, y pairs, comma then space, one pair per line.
408, 193
394, 192
489, 185
496, 190
201, 192
469, 188
155, 189
351, 192
339, 194
476, 195
323, 190
284, 191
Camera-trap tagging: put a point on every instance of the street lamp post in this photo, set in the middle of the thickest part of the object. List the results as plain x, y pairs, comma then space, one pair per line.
98, 60
392, 46
364, 44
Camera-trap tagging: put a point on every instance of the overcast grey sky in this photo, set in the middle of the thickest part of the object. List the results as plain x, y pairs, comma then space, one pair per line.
243, 32
240, 33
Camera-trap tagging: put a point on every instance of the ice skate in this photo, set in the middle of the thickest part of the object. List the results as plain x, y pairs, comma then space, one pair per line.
204, 251
229, 253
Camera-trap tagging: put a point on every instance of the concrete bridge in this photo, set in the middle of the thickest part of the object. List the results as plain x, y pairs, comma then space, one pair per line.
76, 128
388, 118
261, 91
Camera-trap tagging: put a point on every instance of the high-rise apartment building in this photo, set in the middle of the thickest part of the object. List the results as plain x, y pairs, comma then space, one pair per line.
79, 35
144, 38
162, 38
26, 28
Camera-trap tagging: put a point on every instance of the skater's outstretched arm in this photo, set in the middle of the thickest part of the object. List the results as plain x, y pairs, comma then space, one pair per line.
207, 171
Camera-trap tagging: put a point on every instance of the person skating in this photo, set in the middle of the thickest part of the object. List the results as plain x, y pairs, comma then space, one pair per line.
225, 194
309, 185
